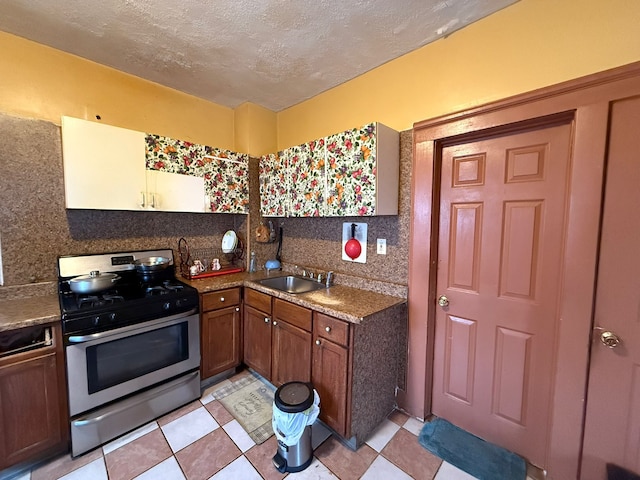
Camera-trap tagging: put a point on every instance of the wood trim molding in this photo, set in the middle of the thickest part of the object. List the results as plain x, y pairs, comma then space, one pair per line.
585, 102
603, 78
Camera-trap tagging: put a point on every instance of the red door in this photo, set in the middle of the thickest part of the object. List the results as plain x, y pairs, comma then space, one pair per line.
612, 426
501, 232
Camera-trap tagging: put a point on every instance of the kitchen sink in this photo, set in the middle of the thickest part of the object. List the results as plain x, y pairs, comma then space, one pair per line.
292, 284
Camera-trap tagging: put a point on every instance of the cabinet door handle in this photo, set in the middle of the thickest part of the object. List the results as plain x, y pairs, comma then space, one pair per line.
143, 200
317, 342
152, 202
266, 320
222, 299
237, 309
328, 329
275, 323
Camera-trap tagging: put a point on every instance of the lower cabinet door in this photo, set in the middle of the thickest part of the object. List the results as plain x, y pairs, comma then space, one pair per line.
329, 378
30, 422
257, 341
291, 354
220, 340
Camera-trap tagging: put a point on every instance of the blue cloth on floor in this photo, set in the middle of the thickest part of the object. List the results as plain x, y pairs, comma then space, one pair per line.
475, 456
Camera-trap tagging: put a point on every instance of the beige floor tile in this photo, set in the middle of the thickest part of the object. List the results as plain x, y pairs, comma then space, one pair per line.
344, 462
260, 457
404, 451
180, 412
63, 465
137, 456
205, 457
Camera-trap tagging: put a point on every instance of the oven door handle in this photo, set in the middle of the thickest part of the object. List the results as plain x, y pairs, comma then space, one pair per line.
88, 420
129, 328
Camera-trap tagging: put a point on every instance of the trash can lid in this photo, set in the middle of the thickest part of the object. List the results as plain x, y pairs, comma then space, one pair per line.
294, 397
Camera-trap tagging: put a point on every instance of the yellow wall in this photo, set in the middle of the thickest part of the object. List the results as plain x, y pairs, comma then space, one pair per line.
44, 83
529, 45
255, 129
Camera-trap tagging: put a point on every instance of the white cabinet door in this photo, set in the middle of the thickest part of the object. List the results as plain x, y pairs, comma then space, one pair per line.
172, 192
104, 166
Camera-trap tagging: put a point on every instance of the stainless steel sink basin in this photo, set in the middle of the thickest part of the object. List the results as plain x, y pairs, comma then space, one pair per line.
292, 284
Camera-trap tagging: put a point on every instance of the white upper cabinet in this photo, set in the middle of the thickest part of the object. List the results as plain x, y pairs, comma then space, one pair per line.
113, 168
169, 192
225, 173
103, 166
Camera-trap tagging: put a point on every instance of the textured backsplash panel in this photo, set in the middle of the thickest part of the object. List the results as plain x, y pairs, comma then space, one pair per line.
317, 242
36, 228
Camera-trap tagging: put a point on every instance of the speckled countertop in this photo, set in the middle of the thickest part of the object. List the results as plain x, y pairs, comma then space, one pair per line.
346, 303
29, 311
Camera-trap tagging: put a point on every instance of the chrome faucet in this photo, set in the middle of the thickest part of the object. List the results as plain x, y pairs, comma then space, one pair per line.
329, 279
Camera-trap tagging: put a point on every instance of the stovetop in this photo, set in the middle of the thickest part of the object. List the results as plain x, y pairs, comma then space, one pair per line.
135, 298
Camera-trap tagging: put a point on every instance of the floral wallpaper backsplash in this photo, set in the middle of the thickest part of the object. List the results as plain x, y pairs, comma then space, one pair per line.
226, 173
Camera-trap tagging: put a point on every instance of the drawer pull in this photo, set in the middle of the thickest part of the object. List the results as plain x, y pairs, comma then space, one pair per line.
328, 329
317, 342
266, 320
222, 299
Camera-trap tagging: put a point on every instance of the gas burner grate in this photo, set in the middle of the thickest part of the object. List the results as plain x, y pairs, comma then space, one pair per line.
92, 301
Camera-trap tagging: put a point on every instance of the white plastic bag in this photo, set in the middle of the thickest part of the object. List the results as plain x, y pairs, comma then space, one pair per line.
289, 427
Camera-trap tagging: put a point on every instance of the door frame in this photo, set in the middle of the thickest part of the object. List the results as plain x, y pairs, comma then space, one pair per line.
587, 99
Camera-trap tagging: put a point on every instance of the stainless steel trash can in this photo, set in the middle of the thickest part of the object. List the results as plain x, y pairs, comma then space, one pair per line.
294, 397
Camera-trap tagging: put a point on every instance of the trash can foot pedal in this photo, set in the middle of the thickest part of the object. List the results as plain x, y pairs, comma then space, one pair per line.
280, 463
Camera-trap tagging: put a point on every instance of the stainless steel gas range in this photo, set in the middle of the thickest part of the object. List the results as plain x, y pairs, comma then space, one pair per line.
132, 343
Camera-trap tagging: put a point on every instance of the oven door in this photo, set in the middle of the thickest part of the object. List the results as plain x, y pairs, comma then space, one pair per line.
110, 365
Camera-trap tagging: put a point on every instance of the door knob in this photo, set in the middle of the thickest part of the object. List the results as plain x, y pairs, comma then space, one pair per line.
609, 339
443, 301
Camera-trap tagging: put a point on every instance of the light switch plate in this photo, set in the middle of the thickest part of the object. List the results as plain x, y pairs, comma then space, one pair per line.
382, 246
361, 236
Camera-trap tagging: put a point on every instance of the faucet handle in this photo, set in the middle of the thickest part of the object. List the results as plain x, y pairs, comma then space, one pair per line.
319, 278
329, 280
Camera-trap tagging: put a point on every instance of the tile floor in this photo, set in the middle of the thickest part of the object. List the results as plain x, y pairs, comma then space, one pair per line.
203, 441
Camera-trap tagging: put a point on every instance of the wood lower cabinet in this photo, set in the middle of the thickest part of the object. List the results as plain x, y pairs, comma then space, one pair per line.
349, 364
291, 347
33, 404
221, 333
331, 372
257, 332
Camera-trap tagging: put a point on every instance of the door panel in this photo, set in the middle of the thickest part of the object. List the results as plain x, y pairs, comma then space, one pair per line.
501, 231
612, 425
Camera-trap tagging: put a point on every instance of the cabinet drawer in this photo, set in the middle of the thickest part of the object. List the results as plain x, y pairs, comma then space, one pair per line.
220, 299
293, 314
258, 300
331, 328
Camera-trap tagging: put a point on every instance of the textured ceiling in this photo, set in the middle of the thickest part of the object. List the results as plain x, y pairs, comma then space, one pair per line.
273, 53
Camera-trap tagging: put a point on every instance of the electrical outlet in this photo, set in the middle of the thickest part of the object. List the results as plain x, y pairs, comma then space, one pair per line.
382, 246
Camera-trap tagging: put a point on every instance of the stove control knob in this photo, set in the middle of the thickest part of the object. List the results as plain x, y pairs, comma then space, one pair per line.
178, 303
96, 320
166, 306
112, 316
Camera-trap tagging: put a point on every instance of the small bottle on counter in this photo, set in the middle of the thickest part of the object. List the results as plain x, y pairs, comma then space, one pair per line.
252, 263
